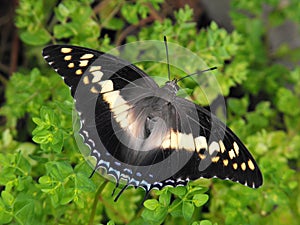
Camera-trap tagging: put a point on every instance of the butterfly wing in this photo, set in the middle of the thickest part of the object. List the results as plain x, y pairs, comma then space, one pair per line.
218, 151
76, 63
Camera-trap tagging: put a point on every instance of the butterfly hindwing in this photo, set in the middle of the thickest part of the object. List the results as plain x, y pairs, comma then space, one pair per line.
219, 152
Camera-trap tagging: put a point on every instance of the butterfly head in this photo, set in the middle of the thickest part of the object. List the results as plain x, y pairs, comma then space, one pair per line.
172, 86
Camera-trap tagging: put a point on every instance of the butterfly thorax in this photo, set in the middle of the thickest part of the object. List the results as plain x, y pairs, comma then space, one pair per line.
171, 86
166, 94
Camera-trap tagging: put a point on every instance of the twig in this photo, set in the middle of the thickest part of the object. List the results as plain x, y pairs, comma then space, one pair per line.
14, 53
154, 15
4, 68
96, 200
131, 28
100, 6
153, 12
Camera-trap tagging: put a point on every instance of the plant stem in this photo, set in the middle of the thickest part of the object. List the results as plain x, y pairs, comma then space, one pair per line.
100, 189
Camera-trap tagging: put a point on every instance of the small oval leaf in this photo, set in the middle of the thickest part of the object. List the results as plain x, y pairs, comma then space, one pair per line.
200, 199
151, 204
187, 210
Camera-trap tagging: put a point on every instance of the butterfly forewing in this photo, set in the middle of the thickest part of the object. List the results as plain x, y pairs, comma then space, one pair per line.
74, 63
143, 133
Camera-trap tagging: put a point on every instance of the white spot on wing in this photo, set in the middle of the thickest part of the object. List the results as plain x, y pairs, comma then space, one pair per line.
97, 76
95, 68
236, 148
94, 90
251, 165
93, 143
87, 56
68, 57
225, 162
83, 63
86, 80
118, 106
166, 143
185, 141
78, 72
235, 166
122, 119
200, 143
174, 140
66, 50
115, 100
222, 146
106, 86
71, 65
213, 147
231, 154
215, 159
243, 166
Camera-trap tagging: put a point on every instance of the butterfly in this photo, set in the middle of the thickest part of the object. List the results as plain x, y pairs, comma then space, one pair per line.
144, 134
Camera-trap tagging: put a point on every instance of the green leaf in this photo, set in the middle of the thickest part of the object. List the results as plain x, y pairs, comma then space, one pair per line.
79, 201
5, 217
115, 24
196, 223
187, 210
36, 37
205, 222
45, 180
62, 12
59, 170
176, 212
84, 183
157, 216
238, 106
288, 102
111, 222
129, 12
179, 190
165, 198
7, 138
200, 199
68, 196
63, 31
151, 204
24, 209
160, 213
7, 197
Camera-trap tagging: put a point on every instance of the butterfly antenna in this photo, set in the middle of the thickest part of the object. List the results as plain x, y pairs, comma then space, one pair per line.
197, 73
167, 52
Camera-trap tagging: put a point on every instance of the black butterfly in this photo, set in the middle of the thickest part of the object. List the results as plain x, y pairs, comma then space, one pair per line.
145, 134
